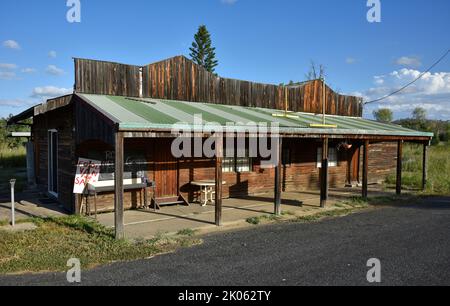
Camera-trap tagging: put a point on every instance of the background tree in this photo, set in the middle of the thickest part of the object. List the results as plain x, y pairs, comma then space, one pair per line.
383, 115
9, 142
315, 72
419, 114
202, 51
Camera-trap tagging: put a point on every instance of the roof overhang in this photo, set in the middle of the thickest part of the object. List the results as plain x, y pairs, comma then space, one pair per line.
40, 109
29, 113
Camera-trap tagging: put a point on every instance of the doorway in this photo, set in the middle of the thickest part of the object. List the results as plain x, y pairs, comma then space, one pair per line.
53, 162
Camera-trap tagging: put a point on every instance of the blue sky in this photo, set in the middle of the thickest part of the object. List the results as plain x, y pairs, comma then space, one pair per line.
258, 40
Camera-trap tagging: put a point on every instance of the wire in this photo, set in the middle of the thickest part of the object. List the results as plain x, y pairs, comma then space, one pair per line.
412, 82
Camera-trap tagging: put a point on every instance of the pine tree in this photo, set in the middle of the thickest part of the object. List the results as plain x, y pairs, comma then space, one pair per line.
202, 51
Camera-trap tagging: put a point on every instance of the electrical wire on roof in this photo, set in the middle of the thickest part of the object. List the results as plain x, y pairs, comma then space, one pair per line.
412, 82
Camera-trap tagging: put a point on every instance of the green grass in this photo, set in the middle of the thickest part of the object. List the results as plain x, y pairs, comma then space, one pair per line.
56, 240
12, 165
258, 219
325, 214
12, 158
186, 232
438, 169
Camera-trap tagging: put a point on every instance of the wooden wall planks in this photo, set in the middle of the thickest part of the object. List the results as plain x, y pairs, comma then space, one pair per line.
106, 78
178, 78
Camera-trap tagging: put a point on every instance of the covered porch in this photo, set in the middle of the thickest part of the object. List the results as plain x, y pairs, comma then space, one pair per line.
235, 212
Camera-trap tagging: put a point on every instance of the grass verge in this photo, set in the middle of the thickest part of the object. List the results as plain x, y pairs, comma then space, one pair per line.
340, 209
268, 218
56, 240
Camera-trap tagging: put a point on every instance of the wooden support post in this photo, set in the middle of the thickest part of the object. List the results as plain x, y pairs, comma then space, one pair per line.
425, 166
219, 180
118, 183
398, 185
278, 175
324, 174
365, 169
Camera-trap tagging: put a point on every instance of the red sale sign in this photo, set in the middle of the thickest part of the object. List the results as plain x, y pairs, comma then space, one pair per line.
88, 171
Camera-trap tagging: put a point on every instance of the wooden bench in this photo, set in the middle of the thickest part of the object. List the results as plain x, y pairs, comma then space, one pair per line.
93, 189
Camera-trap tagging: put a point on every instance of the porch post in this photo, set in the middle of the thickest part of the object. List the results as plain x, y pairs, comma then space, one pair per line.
425, 166
398, 185
278, 183
324, 174
219, 180
365, 168
118, 183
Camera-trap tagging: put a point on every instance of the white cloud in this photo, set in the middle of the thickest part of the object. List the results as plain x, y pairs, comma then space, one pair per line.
378, 79
409, 61
28, 70
431, 92
229, 2
6, 66
53, 70
7, 75
15, 102
52, 54
48, 92
350, 60
11, 44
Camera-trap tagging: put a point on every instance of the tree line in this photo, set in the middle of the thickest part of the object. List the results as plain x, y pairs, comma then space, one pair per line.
417, 121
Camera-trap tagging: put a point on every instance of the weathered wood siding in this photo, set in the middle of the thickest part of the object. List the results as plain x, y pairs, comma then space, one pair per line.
382, 161
61, 120
91, 125
106, 78
178, 78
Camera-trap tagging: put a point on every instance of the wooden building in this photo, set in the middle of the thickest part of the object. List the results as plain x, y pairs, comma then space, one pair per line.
123, 116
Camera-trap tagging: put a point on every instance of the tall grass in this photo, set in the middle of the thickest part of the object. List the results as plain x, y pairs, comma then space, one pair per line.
12, 166
438, 168
12, 158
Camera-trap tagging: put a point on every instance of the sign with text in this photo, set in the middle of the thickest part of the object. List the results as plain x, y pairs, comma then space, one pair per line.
88, 171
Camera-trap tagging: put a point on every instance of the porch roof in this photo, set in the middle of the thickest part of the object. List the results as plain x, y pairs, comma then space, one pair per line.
153, 114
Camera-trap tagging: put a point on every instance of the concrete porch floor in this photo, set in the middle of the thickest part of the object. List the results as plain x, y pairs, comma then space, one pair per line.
235, 211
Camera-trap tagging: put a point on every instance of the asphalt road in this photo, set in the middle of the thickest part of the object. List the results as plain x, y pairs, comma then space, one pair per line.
412, 242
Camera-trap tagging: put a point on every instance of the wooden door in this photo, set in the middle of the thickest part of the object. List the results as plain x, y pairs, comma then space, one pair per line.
166, 170
355, 166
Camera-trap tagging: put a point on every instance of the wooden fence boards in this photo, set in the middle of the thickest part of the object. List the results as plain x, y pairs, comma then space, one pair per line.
106, 78
178, 78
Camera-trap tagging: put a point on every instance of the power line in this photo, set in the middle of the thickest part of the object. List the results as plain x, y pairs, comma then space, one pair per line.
412, 82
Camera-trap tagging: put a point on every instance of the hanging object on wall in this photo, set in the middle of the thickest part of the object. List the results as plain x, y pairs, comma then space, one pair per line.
344, 146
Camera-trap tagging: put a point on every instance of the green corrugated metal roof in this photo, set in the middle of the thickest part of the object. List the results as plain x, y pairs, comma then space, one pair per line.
139, 113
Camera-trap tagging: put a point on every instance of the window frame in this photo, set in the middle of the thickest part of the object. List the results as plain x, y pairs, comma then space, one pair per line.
234, 165
331, 162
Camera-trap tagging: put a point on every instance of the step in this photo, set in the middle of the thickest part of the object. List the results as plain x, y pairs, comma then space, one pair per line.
170, 203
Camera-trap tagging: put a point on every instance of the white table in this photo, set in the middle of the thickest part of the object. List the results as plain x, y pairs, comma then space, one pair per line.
207, 190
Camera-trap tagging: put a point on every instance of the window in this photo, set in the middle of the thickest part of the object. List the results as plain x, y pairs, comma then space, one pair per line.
237, 164
228, 164
243, 164
332, 157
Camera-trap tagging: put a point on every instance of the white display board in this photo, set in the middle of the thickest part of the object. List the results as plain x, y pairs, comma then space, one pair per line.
88, 171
